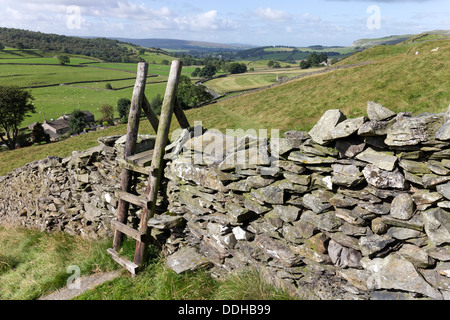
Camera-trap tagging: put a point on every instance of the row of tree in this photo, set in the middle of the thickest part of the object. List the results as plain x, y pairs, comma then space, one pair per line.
105, 49
314, 60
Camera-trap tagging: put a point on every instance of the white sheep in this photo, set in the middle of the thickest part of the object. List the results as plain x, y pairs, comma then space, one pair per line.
436, 49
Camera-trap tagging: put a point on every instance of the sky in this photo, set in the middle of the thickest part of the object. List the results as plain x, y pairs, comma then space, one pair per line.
257, 22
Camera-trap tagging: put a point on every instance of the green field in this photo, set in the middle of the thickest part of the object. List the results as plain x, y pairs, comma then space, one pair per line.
399, 79
86, 89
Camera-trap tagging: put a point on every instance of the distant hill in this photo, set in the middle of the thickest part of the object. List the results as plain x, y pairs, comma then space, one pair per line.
390, 40
105, 49
175, 44
396, 77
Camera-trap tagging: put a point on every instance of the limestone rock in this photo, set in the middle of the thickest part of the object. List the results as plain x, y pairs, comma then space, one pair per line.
377, 112
347, 128
321, 132
286, 213
187, 259
444, 189
414, 167
395, 272
384, 179
185, 169
444, 132
402, 207
349, 148
315, 204
417, 256
343, 257
412, 131
270, 194
277, 250
348, 176
383, 160
325, 221
437, 225
372, 244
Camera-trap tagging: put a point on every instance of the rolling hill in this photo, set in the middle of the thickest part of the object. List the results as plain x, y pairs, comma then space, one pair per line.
396, 77
174, 44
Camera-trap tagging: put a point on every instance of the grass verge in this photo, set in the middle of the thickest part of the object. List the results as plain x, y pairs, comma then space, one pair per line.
34, 263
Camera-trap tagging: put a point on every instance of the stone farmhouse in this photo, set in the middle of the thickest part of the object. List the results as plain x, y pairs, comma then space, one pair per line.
56, 128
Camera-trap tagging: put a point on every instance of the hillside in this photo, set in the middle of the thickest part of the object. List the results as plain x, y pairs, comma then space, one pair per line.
179, 45
101, 48
397, 78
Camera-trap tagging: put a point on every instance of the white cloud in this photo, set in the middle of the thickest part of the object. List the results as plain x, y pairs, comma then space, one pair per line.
203, 21
272, 15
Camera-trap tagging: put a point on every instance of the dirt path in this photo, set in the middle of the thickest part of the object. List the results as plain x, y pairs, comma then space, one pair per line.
86, 283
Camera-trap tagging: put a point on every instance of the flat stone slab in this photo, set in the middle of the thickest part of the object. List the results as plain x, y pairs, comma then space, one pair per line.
86, 283
187, 259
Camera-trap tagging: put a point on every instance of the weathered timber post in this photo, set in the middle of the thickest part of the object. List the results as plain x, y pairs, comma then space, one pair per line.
157, 162
130, 145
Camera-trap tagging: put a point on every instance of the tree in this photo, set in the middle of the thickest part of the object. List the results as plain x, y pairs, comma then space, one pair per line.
77, 122
123, 108
305, 64
236, 67
107, 112
208, 71
273, 64
2, 46
39, 135
190, 95
156, 104
196, 72
63, 60
15, 104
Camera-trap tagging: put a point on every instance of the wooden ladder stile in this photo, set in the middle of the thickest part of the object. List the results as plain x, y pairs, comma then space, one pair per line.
150, 163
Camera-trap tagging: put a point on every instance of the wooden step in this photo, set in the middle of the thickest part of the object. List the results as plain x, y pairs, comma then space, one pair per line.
133, 199
127, 264
133, 233
143, 159
139, 162
132, 167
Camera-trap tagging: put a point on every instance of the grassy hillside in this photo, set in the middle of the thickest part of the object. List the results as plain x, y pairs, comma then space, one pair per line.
398, 79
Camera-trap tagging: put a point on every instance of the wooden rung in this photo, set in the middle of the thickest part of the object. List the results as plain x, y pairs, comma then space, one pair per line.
135, 234
131, 198
143, 159
132, 167
127, 264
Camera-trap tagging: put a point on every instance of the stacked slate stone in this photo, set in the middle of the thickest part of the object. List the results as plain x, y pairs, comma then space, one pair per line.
75, 194
356, 208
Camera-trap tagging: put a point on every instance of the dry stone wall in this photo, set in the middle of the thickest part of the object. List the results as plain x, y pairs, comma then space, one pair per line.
74, 194
354, 209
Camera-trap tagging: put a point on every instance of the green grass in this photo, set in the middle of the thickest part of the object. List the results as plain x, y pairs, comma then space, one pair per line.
400, 80
37, 75
34, 263
55, 61
56, 101
153, 57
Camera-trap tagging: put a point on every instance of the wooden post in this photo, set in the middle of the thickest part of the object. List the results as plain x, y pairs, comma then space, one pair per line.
151, 115
130, 146
181, 116
162, 138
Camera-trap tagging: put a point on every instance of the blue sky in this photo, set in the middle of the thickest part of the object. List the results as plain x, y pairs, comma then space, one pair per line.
259, 22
